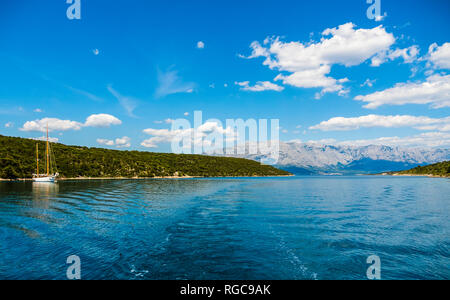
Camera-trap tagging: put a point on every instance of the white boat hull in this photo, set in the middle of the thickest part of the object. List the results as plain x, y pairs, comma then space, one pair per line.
51, 179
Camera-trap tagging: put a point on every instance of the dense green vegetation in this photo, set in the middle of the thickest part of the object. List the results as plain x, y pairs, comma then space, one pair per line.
439, 169
18, 160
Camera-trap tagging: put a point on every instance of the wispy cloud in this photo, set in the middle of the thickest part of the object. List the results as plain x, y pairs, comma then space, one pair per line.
128, 103
170, 83
12, 111
84, 93
166, 121
260, 86
368, 83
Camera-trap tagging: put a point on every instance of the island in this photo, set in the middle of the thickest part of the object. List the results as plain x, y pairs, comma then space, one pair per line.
441, 169
18, 161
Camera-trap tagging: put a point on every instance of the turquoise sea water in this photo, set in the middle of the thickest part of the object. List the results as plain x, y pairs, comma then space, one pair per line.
258, 228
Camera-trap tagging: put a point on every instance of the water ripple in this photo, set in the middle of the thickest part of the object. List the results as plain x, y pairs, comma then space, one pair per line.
288, 228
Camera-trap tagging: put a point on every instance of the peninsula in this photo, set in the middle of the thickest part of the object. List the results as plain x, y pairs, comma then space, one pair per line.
441, 169
18, 160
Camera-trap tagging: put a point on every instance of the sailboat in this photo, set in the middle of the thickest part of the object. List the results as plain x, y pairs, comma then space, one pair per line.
48, 178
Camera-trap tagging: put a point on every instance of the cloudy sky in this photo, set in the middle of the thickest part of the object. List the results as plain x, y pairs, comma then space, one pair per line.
120, 75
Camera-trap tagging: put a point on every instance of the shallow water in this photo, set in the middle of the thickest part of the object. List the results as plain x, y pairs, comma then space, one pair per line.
258, 228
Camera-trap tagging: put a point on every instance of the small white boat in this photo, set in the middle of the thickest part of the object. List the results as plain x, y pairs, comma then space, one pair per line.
49, 177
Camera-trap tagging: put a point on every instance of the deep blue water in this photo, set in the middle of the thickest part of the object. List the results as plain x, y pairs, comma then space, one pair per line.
266, 228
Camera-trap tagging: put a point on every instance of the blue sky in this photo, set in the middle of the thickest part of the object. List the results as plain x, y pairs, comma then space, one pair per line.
134, 64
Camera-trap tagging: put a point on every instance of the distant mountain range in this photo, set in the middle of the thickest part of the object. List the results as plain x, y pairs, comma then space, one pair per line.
310, 159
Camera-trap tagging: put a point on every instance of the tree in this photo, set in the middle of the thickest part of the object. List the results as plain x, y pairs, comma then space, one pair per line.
9, 173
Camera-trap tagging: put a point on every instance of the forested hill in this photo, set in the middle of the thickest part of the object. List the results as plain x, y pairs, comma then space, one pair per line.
18, 160
440, 169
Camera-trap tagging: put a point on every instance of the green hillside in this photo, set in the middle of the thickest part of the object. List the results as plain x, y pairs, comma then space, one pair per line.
439, 169
18, 160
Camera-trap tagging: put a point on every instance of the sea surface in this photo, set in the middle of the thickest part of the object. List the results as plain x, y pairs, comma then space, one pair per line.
234, 228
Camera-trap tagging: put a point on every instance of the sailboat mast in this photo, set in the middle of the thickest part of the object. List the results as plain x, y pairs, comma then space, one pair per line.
48, 162
37, 159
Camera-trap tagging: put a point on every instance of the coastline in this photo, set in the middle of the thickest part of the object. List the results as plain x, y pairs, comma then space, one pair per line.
147, 178
414, 175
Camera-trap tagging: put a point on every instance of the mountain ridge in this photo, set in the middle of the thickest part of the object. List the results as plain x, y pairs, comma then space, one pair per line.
314, 158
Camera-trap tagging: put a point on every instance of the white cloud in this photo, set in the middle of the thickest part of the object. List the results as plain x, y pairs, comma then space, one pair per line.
170, 83
380, 18
186, 114
96, 52
440, 56
166, 121
54, 124
152, 142
260, 86
414, 71
197, 136
44, 138
200, 45
409, 55
429, 139
106, 142
102, 120
298, 141
9, 125
434, 91
310, 64
124, 142
37, 110
368, 83
421, 123
162, 136
323, 142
